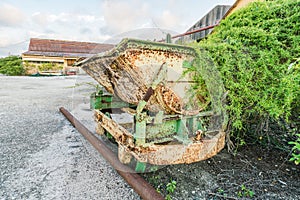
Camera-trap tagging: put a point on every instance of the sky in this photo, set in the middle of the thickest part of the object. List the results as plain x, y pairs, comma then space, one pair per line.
92, 20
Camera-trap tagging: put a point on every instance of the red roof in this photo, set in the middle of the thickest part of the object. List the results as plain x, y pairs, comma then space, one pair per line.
65, 48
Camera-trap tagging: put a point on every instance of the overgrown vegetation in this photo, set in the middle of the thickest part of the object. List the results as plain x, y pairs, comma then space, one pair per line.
296, 151
257, 51
11, 65
50, 67
47, 66
166, 189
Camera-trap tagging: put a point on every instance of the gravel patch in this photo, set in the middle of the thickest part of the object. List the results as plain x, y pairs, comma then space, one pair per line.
41, 155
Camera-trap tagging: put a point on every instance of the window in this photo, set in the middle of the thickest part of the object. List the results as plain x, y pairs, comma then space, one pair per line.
70, 62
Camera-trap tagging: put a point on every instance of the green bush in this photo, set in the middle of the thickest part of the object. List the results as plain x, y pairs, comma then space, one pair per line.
257, 51
50, 66
296, 151
11, 65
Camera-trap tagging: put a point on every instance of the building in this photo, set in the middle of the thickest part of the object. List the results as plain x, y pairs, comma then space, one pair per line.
46, 55
211, 19
237, 5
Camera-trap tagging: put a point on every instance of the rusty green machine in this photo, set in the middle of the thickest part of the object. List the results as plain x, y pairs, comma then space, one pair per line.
147, 84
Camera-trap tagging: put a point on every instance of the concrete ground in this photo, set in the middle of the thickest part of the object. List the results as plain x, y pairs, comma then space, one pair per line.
41, 155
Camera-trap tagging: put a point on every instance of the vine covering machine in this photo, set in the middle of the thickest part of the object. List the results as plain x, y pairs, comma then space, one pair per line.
148, 104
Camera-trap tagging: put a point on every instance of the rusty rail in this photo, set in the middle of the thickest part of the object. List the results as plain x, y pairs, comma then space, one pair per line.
141, 187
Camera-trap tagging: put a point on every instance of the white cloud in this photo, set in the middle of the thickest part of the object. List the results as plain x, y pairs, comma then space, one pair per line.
10, 36
39, 18
68, 26
13, 41
10, 15
87, 18
43, 19
121, 16
168, 20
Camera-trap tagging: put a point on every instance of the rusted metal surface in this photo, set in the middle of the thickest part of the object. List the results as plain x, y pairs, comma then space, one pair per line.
121, 135
143, 188
203, 147
129, 70
180, 153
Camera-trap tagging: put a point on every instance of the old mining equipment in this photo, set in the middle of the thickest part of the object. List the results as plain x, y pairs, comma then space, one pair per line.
147, 85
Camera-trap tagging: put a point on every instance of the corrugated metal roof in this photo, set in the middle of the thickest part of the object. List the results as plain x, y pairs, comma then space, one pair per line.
58, 54
64, 48
211, 18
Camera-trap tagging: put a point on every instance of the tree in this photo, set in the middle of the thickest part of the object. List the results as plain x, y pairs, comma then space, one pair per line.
11, 65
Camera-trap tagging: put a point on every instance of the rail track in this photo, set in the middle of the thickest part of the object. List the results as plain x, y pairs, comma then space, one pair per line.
140, 185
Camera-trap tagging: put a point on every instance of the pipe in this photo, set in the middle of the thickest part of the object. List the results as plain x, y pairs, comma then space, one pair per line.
141, 187
193, 31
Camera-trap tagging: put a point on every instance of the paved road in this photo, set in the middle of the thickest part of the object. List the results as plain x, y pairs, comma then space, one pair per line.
41, 155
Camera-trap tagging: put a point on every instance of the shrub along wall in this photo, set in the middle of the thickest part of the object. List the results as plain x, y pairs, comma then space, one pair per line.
257, 51
11, 65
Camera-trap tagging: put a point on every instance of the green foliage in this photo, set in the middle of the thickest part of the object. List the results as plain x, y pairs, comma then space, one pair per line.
222, 193
11, 65
199, 89
245, 192
257, 51
171, 186
155, 180
168, 189
296, 150
50, 66
208, 90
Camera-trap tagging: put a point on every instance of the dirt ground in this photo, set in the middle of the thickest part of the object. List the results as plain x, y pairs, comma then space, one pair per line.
254, 173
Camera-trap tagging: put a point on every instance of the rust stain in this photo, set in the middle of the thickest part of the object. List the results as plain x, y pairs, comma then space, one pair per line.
121, 135
173, 153
179, 153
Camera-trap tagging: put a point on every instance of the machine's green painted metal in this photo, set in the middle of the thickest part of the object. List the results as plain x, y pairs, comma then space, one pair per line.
140, 132
102, 100
140, 167
155, 129
182, 132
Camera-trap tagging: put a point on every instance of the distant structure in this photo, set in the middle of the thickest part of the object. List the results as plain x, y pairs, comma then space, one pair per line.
58, 55
237, 5
211, 18
151, 34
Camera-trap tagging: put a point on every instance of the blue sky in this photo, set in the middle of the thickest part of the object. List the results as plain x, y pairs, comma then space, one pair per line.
92, 20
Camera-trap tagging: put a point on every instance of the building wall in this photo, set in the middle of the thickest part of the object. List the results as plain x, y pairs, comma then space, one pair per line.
211, 18
239, 4
42, 58
33, 63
